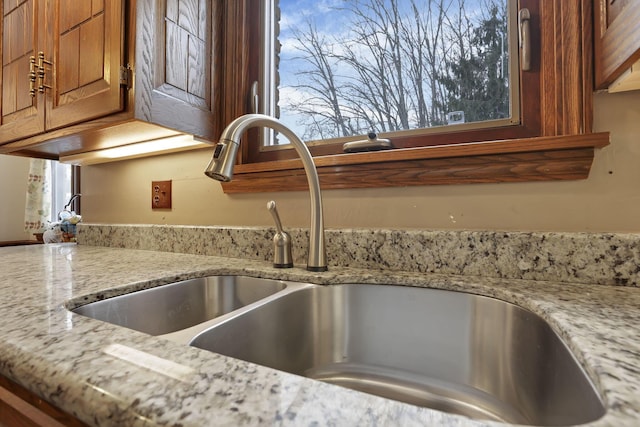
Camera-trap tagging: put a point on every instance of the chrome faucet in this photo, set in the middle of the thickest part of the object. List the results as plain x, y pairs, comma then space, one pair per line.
221, 168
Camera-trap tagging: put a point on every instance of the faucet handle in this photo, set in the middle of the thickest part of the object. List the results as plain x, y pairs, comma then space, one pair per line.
281, 241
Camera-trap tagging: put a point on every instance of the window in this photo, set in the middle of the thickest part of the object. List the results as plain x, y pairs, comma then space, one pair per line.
50, 186
335, 71
61, 188
552, 139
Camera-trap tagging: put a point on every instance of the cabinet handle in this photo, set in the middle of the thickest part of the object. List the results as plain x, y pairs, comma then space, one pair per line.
33, 68
525, 39
41, 72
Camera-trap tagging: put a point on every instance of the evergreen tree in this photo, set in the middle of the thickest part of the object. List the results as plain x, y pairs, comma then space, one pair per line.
477, 80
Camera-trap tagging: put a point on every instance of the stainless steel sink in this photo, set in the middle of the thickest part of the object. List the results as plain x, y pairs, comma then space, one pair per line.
455, 352
180, 305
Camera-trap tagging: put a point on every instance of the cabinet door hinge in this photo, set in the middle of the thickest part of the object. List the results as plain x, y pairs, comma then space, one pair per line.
126, 76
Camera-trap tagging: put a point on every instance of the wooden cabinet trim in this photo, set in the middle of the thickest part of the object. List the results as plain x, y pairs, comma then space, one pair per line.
29, 120
617, 43
21, 407
530, 159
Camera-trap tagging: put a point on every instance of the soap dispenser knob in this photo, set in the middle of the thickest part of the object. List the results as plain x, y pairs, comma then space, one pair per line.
281, 241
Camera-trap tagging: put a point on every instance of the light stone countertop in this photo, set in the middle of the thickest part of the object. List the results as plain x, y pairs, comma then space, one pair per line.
69, 360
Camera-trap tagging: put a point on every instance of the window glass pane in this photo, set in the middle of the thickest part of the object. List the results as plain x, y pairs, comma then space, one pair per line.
349, 67
60, 188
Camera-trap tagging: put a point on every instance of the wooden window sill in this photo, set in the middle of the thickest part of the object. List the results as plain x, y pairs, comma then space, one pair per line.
517, 160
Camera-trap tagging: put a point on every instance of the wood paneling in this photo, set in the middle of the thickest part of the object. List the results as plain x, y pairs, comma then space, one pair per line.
22, 115
197, 82
174, 71
23, 99
68, 65
9, 74
177, 50
89, 47
566, 65
617, 39
615, 8
233, 61
97, 6
186, 65
73, 13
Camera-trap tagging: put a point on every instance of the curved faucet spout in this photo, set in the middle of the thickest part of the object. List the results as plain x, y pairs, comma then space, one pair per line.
221, 168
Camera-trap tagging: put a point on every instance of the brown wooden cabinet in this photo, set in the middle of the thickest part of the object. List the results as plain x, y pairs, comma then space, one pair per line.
86, 52
21, 408
22, 115
617, 39
114, 72
173, 64
59, 64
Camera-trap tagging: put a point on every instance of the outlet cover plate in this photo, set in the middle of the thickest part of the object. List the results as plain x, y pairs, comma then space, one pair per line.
160, 194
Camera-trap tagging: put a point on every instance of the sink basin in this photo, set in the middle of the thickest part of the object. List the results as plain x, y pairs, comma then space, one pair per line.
454, 352
177, 306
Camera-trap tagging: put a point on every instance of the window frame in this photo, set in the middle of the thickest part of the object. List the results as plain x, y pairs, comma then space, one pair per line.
58, 202
552, 142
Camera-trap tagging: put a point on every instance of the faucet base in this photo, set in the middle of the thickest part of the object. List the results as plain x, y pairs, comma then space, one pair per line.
288, 265
317, 269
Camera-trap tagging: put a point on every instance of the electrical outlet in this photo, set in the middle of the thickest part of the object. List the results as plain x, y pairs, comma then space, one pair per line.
160, 194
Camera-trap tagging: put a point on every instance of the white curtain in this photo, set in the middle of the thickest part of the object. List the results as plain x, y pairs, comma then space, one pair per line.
38, 205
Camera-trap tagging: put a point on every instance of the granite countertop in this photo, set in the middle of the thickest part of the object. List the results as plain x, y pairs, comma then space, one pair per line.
69, 360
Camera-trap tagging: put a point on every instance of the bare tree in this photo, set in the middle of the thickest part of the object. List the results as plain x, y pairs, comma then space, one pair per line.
394, 68
320, 80
421, 39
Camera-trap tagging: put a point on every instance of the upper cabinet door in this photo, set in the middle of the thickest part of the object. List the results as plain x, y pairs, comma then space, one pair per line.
174, 44
617, 38
83, 93
85, 52
22, 110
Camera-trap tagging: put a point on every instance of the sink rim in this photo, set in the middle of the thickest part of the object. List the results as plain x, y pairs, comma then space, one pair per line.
187, 335
130, 288
183, 335
293, 285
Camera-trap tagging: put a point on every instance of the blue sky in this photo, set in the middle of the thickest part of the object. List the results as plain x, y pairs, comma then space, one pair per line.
295, 14
329, 22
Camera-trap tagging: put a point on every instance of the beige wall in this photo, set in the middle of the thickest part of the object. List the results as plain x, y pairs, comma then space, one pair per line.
608, 201
13, 190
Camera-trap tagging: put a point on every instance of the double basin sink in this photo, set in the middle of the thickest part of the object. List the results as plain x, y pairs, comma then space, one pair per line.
450, 351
